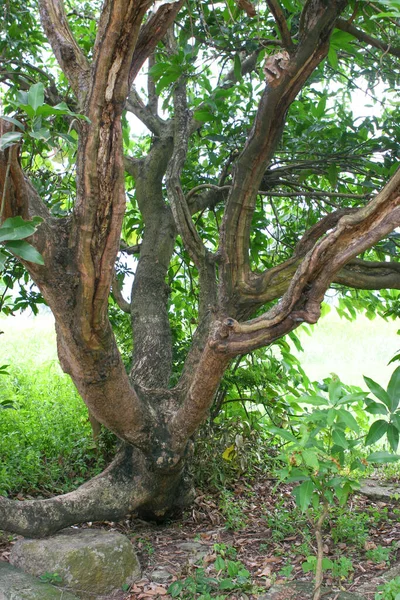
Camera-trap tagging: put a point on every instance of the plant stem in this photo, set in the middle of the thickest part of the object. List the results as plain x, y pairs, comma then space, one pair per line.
320, 553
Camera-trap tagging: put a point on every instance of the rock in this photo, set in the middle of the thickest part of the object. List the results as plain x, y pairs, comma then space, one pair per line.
17, 585
304, 591
379, 490
91, 562
161, 575
371, 586
198, 551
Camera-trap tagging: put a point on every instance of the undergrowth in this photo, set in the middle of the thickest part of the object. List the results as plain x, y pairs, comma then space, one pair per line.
46, 445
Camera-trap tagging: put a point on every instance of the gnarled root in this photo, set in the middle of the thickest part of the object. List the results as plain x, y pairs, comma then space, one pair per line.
124, 486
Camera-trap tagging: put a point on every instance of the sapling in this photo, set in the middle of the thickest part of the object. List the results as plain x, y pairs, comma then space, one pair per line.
319, 454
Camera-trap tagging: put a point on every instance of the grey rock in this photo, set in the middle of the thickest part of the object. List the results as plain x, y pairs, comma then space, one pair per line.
195, 549
17, 585
161, 575
379, 490
304, 591
371, 586
92, 563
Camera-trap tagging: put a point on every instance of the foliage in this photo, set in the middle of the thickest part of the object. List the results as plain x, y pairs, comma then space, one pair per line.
388, 404
229, 576
389, 590
45, 442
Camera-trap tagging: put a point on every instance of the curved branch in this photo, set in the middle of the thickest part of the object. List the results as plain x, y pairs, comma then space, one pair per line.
183, 220
368, 39
69, 55
280, 20
353, 234
151, 33
286, 75
109, 496
124, 305
136, 106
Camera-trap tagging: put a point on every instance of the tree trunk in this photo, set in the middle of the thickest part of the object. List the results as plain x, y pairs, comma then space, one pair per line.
130, 484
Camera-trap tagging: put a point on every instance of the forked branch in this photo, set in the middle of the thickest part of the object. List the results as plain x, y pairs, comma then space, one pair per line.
353, 234
69, 55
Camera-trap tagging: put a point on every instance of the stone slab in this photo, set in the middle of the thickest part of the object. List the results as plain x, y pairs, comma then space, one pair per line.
304, 591
17, 585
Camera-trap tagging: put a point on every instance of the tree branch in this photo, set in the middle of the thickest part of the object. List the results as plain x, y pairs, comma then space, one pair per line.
368, 39
280, 20
183, 220
136, 106
285, 75
151, 33
353, 234
124, 305
69, 55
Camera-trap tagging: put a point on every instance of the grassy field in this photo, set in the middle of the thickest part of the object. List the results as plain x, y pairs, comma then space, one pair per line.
45, 444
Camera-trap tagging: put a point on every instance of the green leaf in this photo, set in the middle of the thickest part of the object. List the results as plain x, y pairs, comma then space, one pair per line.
303, 494
283, 433
394, 389
36, 96
330, 417
25, 251
382, 457
378, 391
332, 58
314, 400
347, 418
339, 438
375, 408
237, 67
226, 584
41, 134
393, 436
16, 228
376, 431
9, 139
3, 258
14, 122
311, 459
203, 115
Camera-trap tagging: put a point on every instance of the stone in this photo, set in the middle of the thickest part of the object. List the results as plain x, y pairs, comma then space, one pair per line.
161, 575
371, 586
91, 562
197, 550
304, 591
17, 585
379, 490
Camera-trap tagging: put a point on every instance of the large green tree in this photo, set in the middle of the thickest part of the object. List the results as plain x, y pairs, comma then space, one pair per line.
255, 183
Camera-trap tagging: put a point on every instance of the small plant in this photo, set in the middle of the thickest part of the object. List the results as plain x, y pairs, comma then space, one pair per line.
286, 571
380, 554
145, 546
342, 567
230, 575
319, 452
351, 528
232, 509
389, 590
53, 578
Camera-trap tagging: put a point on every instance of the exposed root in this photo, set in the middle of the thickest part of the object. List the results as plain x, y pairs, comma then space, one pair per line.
119, 490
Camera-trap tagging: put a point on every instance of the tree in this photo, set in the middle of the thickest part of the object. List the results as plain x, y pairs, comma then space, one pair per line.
196, 186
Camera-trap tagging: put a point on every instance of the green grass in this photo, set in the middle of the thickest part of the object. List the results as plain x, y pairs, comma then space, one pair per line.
45, 442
